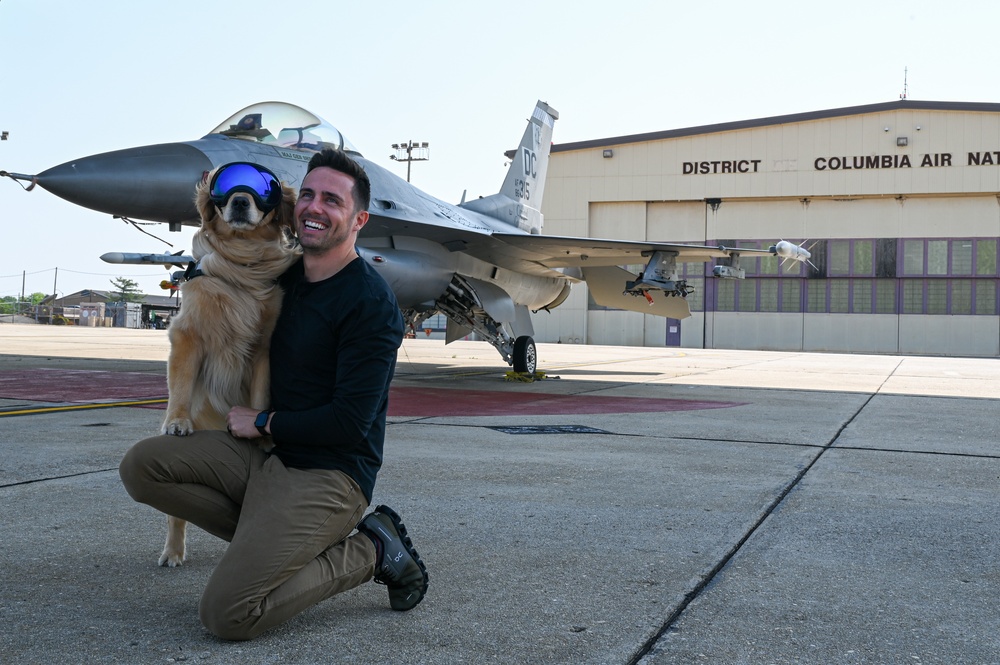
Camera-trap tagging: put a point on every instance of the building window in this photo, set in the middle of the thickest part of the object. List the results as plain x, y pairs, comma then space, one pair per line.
886, 255
768, 295
840, 257
986, 297
913, 257
746, 294
961, 295
986, 257
839, 290
961, 257
791, 296
885, 296
864, 258
937, 257
913, 296
937, 296
861, 296
816, 296
725, 294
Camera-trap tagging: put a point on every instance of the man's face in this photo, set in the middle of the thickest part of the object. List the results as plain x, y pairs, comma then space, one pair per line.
324, 212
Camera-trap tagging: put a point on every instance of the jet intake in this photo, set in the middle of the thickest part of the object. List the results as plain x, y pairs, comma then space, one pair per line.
417, 278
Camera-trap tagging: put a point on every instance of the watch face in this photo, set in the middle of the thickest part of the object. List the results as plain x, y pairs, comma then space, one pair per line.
261, 419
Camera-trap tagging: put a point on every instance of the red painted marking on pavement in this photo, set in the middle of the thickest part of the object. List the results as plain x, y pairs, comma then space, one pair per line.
429, 402
88, 386
77, 385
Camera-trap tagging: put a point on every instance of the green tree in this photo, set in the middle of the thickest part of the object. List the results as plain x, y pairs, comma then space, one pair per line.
14, 304
126, 290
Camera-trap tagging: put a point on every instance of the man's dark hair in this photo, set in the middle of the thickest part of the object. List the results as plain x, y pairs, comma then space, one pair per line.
339, 161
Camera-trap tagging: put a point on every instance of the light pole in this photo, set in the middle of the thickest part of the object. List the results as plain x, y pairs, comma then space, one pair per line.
405, 153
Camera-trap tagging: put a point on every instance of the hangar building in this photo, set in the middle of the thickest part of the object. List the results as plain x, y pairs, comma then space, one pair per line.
898, 202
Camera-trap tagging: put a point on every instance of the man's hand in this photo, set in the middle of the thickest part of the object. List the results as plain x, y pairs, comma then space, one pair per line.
240, 422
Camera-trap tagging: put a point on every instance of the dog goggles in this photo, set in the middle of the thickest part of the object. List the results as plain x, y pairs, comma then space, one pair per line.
253, 179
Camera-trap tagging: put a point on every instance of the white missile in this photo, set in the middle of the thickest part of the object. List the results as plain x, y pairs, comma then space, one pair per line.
147, 259
788, 250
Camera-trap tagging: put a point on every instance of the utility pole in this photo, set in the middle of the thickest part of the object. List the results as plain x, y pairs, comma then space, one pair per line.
404, 153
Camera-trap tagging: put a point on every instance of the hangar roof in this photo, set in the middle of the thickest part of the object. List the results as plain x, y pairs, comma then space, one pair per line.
898, 105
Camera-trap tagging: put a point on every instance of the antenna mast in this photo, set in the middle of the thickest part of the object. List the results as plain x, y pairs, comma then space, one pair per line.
905, 71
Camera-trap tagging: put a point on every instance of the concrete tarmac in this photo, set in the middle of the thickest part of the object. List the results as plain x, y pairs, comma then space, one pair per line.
640, 505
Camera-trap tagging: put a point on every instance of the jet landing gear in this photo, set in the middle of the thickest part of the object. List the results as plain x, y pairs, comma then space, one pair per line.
524, 357
466, 311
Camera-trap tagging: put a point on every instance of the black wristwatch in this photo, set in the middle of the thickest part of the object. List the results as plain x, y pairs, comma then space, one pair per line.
260, 422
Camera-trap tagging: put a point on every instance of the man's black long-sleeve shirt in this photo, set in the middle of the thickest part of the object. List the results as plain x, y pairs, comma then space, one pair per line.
333, 354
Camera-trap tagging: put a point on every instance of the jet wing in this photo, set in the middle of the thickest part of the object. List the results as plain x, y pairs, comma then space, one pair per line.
569, 252
542, 255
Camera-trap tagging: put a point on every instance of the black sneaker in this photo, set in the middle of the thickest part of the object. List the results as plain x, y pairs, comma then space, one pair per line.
400, 568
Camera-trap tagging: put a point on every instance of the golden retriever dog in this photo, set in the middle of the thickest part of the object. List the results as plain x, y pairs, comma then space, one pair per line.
220, 339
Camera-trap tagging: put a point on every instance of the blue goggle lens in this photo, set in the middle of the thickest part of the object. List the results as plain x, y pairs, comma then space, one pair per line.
258, 181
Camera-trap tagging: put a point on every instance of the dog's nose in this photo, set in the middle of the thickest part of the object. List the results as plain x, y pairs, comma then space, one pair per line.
240, 203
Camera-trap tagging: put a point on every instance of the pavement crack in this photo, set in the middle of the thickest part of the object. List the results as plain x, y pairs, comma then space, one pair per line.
62, 477
707, 579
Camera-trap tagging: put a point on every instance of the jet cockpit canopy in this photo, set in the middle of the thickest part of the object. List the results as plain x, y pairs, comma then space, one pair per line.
283, 125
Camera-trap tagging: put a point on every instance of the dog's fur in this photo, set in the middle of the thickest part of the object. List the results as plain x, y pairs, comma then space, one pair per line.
220, 339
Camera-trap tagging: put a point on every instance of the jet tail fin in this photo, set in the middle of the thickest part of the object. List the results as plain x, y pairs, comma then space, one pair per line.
519, 201
525, 181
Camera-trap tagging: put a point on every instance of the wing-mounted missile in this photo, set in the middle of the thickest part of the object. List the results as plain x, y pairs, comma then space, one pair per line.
787, 250
168, 261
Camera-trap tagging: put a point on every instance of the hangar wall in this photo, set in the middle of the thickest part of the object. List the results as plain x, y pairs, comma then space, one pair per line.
900, 203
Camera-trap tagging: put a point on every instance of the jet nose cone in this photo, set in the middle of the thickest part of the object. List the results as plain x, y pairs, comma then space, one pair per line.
154, 183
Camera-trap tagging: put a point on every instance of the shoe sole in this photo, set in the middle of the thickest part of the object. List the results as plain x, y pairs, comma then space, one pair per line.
397, 522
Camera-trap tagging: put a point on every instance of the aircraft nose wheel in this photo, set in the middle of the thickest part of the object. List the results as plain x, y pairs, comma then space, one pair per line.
525, 358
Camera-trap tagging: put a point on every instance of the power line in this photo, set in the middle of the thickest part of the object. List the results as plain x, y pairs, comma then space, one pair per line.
80, 272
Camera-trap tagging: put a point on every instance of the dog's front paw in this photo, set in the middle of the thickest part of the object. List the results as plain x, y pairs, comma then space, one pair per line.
171, 558
177, 427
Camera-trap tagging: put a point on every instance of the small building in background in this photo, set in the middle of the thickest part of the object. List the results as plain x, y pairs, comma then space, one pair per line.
95, 308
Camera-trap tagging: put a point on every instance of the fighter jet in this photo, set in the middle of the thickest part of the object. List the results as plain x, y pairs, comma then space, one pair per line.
484, 263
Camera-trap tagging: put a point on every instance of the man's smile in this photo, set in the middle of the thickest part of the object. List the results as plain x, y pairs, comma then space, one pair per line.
313, 225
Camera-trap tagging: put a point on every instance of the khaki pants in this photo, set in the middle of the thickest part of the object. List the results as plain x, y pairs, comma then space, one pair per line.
288, 529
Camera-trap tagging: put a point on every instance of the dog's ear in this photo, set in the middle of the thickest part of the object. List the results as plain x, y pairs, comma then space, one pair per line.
286, 217
206, 209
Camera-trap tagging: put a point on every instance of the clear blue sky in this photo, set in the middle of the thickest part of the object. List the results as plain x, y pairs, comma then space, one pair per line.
86, 77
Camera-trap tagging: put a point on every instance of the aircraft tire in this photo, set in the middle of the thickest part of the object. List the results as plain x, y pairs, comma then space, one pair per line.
525, 357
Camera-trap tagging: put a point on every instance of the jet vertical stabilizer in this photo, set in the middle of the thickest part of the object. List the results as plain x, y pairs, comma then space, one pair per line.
519, 201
